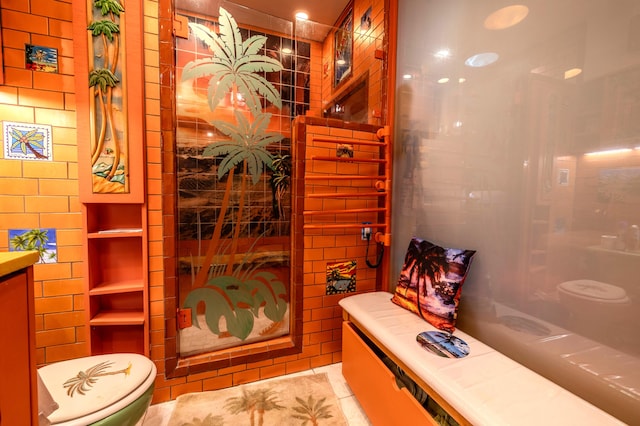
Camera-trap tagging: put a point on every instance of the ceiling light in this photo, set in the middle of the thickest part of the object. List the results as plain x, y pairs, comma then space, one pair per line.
302, 16
481, 59
462, 80
341, 62
407, 76
443, 80
286, 50
609, 151
506, 17
572, 73
442, 53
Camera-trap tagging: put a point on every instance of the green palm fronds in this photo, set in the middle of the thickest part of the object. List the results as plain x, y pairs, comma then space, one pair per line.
109, 6
104, 27
102, 78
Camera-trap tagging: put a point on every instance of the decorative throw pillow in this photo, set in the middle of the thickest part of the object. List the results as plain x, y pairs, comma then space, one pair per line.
431, 281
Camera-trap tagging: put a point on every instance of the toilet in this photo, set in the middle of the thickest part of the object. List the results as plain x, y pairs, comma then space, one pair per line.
593, 306
113, 389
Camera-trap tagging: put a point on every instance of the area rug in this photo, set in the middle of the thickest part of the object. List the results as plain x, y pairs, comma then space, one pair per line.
300, 400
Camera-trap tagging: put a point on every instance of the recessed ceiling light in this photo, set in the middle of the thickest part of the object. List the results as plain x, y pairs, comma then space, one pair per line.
407, 76
462, 80
572, 73
481, 59
506, 17
303, 16
286, 50
443, 80
442, 53
341, 62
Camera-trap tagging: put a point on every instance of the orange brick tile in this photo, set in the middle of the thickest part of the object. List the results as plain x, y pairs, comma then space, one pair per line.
14, 58
298, 365
220, 382
65, 352
46, 305
18, 221
70, 102
40, 357
15, 186
70, 253
322, 360
272, 371
329, 347
150, 24
58, 118
62, 287
21, 21
10, 168
12, 203
69, 237
151, 42
55, 337
49, 204
52, 187
64, 135
201, 376
184, 388
78, 302
18, 5
63, 320
61, 220
246, 376
8, 95
72, 170
50, 271
60, 28
50, 169
52, 9
161, 395
39, 98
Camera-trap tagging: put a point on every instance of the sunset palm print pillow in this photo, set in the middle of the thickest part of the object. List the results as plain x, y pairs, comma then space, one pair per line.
431, 281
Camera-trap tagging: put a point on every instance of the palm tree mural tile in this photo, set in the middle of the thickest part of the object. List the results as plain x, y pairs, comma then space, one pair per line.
25, 141
41, 240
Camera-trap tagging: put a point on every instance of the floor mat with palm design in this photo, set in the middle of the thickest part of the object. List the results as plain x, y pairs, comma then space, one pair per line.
299, 400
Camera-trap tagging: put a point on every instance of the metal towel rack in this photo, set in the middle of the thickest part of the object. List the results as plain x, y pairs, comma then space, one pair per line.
380, 188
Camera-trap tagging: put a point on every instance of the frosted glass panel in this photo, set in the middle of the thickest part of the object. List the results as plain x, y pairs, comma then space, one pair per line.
518, 135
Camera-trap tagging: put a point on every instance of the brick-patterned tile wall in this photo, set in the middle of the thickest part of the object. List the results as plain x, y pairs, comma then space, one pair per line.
44, 194
38, 194
365, 44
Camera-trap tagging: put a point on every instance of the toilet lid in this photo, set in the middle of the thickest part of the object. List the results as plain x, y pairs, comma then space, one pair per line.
85, 385
596, 290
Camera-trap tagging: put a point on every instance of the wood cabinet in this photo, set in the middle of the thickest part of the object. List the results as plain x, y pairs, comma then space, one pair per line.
111, 170
18, 386
116, 270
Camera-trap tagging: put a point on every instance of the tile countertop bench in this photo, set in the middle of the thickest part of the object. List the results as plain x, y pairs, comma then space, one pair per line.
485, 387
13, 261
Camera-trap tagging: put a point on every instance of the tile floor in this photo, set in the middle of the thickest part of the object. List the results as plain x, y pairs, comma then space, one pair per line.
159, 414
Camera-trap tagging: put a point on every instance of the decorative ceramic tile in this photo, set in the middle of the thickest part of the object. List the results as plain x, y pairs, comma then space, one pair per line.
341, 277
43, 240
40, 58
25, 141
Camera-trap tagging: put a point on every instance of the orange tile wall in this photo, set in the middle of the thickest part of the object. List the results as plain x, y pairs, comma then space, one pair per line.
36, 194
365, 44
44, 194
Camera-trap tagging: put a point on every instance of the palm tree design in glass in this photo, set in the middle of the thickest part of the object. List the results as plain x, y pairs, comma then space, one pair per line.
238, 291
